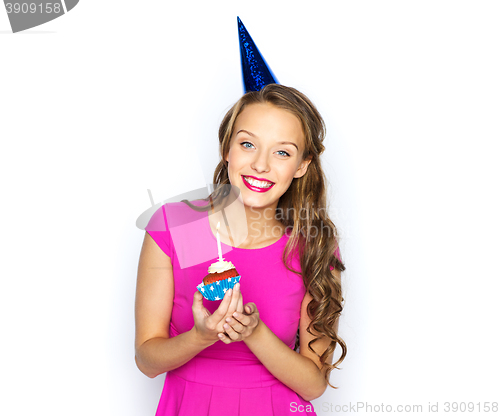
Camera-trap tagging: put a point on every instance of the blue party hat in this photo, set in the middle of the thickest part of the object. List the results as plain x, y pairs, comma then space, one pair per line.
256, 74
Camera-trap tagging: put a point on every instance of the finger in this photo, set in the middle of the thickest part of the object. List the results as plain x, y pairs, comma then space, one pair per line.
241, 318
231, 333
219, 327
236, 325
239, 308
234, 299
223, 307
198, 302
199, 311
250, 308
224, 338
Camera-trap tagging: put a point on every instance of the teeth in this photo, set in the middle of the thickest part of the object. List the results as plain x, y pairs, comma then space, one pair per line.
258, 184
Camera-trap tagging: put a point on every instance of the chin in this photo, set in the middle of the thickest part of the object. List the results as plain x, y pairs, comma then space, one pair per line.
257, 203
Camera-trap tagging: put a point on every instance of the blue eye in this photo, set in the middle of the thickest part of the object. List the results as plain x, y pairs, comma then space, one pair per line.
286, 154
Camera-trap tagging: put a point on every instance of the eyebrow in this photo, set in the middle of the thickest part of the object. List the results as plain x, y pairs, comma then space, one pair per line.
253, 135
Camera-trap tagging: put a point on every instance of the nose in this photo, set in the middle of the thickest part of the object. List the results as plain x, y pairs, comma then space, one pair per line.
260, 163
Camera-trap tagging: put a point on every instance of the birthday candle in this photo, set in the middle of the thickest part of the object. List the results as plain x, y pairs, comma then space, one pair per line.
219, 249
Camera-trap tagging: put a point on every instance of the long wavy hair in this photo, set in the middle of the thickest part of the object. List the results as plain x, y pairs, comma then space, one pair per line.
303, 211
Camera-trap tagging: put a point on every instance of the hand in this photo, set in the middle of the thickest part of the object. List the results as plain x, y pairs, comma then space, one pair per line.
240, 326
207, 325
236, 305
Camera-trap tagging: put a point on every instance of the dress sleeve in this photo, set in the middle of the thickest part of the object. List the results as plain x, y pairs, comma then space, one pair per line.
158, 229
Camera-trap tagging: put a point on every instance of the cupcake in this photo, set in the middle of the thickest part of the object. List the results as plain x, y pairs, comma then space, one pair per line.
221, 277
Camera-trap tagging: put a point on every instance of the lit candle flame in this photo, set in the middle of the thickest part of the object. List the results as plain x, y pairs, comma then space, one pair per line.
218, 225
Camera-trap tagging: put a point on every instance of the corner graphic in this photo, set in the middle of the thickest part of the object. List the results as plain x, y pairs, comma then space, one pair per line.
27, 14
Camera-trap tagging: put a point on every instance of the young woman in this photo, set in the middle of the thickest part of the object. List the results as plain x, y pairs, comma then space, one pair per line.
267, 347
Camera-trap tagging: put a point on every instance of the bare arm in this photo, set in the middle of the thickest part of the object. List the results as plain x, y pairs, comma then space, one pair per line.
302, 372
155, 351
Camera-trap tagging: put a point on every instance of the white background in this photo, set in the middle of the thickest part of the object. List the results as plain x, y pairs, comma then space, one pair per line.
118, 97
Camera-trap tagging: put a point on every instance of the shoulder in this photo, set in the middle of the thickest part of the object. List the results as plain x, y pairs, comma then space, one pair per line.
171, 214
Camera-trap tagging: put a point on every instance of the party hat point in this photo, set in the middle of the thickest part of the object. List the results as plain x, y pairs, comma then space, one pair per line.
255, 71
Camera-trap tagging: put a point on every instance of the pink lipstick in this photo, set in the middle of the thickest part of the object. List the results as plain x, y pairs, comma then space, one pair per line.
256, 188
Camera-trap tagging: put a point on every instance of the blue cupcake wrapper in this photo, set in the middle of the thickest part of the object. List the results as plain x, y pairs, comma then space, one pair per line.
216, 290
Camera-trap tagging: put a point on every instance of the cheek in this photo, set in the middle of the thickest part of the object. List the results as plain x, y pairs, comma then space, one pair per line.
289, 171
229, 156
237, 157
233, 162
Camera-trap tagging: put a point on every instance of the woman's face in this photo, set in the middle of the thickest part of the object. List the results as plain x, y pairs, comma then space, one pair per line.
265, 154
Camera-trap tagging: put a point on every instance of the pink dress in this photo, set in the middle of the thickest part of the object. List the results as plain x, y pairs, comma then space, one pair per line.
226, 379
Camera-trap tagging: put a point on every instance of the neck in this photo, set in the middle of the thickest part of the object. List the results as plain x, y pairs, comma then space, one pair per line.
243, 225
262, 222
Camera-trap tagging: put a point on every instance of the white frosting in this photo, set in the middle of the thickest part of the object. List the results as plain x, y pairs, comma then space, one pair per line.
220, 266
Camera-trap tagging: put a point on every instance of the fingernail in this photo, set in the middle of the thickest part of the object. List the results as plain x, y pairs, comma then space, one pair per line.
228, 319
235, 314
221, 335
226, 326
229, 292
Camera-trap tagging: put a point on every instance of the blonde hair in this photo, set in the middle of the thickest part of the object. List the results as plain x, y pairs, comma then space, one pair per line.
305, 194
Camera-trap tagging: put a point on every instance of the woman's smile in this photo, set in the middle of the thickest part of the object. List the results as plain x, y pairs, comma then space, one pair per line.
257, 185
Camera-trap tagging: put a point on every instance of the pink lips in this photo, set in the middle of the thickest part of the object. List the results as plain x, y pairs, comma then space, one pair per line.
254, 188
